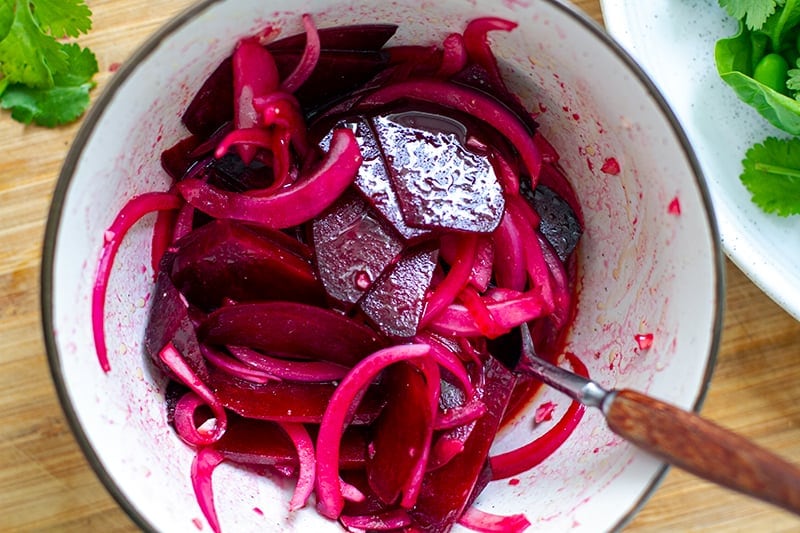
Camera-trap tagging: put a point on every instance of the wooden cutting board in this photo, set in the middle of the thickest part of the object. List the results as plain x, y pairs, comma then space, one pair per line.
46, 484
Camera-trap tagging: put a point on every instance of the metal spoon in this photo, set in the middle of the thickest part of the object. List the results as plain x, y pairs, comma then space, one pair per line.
679, 437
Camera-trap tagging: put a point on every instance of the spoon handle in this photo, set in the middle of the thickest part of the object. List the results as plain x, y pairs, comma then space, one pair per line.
703, 448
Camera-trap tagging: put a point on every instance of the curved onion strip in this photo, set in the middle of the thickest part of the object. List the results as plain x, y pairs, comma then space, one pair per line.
183, 222
305, 456
524, 458
447, 360
330, 501
177, 364
509, 255
203, 465
309, 59
309, 371
290, 206
444, 450
254, 137
283, 110
456, 279
454, 56
558, 273
476, 42
457, 320
484, 522
472, 102
133, 211
185, 424
480, 312
254, 74
235, 368
386, 521
163, 230
413, 486
535, 264
351, 492
458, 416
507, 175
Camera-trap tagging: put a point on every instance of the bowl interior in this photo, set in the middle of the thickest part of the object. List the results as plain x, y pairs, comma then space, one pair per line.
649, 260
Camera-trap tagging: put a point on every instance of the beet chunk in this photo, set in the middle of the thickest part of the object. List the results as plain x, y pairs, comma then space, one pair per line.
353, 248
395, 302
226, 259
337, 74
291, 329
169, 321
212, 106
353, 37
372, 180
285, 401
438, 181
401, 431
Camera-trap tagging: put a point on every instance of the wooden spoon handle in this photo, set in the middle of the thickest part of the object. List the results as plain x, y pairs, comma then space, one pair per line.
704, 449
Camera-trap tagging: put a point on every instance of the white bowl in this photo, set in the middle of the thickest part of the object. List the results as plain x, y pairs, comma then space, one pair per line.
643, 267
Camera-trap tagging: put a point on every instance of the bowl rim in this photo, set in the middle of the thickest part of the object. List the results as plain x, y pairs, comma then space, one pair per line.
129, 67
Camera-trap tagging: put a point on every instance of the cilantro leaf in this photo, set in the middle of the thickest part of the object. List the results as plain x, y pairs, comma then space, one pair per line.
63, 17
754, 13
6, 17
772, 175
27, 55
60, 104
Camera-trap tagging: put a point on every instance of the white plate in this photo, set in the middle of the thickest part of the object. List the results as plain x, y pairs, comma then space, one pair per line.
673, 40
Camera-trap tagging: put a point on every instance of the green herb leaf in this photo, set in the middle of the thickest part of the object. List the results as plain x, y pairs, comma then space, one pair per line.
64, 102
772, 175
63, 17
735, 58
753, 13
6, 17
27, 55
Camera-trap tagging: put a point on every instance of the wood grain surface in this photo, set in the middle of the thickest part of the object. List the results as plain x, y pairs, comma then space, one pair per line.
47, 485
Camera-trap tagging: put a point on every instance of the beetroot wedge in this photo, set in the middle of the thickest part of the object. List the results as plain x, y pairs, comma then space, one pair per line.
226, 259
285, 401
291, 329
401, 431
353, 248
169, 322
396, 302
372, 180
438, 181
353, 37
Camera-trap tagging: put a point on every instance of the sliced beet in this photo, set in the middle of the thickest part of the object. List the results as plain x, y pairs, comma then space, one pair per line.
336, 75
286, 401
263, 442
372, 180
226, 259
229, 172
400, 433
353, 248
179, 158
558, 222
353, 37
438, 181
212, 106
169, 321
291, 329
396, 302
448, 490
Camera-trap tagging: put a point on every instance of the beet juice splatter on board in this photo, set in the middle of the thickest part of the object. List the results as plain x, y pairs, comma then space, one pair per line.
348, 224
